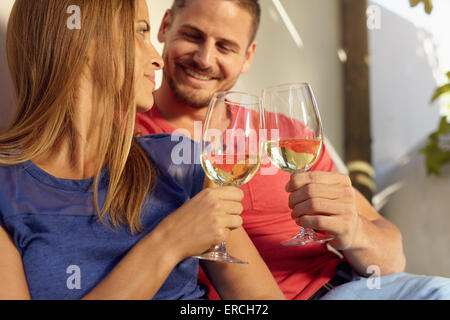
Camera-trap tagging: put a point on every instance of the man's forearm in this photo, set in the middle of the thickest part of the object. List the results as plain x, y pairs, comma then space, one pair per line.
377, 243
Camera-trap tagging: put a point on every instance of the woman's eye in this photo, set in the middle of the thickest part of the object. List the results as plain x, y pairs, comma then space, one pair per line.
143, 29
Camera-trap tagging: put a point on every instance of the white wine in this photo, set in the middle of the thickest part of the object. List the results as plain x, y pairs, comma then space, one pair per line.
294, 155
228, 171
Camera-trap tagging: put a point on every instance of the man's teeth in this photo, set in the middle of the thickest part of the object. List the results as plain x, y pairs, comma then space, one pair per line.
196, 75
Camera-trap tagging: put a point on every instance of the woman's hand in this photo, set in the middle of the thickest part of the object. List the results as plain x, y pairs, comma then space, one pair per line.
204, 221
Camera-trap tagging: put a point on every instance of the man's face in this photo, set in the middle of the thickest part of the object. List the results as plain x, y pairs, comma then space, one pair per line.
206, 49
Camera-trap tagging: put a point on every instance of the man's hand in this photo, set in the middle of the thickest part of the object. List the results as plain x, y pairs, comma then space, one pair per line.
325, 201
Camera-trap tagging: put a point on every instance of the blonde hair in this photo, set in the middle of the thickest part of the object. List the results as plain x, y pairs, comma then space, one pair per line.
46, 59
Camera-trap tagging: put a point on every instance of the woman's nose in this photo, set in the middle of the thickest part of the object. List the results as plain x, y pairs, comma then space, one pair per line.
157, 60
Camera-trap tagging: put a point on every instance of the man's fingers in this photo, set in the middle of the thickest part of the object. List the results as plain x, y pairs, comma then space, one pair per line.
320, 206
331, 192
317, 177
322, 223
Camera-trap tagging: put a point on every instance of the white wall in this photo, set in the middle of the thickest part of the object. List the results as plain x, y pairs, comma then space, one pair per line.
279, 60
403, 61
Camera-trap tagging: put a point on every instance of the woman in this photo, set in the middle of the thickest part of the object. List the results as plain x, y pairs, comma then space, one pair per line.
129, 232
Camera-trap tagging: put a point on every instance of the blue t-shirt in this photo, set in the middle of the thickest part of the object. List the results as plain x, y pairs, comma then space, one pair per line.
66, 251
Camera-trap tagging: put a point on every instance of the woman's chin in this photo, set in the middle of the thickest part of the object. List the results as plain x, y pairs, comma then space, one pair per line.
142, 108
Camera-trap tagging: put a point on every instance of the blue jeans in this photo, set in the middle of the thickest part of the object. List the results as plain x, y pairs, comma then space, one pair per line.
399, 286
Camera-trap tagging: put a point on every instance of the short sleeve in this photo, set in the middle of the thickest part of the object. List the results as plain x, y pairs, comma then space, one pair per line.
2, 223
15, 228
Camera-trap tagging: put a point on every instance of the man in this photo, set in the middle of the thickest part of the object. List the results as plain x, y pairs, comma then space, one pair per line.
208, 44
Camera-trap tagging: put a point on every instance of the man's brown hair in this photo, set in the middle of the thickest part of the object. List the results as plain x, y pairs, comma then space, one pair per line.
252, 6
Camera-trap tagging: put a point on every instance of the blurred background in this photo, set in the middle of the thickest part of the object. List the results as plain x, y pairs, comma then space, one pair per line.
374, 66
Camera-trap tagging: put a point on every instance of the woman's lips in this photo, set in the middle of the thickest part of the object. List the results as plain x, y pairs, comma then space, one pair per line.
151, 78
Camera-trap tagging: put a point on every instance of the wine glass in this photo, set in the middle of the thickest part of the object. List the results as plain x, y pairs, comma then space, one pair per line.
230, 148
295, 138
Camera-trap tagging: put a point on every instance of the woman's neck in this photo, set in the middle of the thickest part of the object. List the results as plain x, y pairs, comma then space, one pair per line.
76, 157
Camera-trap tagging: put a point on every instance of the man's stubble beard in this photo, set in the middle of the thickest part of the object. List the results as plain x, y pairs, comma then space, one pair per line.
186, 97
189, 97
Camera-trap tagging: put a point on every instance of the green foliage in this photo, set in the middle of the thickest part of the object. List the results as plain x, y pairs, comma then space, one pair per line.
428, 4
436, 157
445, 89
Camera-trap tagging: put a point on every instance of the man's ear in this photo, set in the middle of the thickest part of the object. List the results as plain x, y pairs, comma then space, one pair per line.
249, 57
165, 26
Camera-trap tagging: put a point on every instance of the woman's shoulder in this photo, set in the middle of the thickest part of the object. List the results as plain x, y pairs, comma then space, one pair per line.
11, 177
176, 156
163, 139
8, 171
176, 148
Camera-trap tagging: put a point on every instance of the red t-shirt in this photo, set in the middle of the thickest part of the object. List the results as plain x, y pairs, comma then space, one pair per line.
299, 270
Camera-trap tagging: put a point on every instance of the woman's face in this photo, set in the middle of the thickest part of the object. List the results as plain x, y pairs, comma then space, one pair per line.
147, 62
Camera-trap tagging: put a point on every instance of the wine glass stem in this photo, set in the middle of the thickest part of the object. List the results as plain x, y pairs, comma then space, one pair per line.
302, 229
221, 248
302, 232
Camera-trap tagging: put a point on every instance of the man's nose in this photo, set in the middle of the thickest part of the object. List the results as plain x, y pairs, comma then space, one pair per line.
204, 55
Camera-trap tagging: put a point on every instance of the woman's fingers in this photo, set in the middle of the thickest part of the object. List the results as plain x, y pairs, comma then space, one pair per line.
230, 193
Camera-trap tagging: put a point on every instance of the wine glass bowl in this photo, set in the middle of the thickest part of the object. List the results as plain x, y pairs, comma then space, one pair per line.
230, 147
295, 137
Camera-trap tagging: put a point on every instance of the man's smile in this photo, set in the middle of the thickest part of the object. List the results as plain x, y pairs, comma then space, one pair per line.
195, 74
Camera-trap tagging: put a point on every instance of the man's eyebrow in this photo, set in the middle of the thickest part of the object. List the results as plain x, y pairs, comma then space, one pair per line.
228, 42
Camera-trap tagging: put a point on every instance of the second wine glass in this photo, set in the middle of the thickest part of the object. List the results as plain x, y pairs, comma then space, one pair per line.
230, 147
295, 138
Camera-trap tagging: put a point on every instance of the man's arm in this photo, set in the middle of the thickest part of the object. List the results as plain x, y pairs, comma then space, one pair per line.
327, 201
252, 281
377, 242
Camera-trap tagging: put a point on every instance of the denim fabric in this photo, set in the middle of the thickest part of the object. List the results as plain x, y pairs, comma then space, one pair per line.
398, 286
